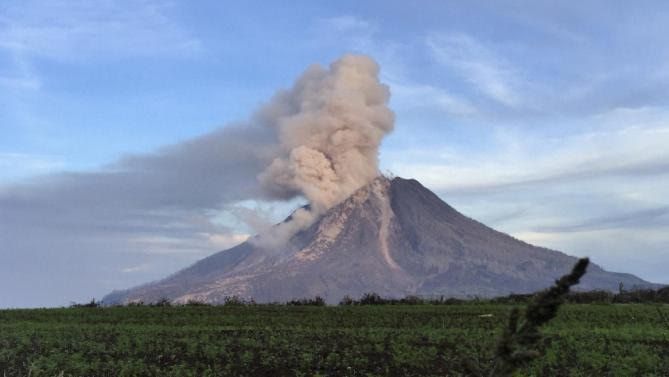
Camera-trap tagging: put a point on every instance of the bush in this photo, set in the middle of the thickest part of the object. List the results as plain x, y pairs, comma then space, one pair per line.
91, 304
237, 301
590, 297
372, 299
643, 296
163, 302
193, 302
514, 299
316, 301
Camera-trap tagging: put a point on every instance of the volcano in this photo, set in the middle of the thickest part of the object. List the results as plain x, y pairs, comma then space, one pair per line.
393, 237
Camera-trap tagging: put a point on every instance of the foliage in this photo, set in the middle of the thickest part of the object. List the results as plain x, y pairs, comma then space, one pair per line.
519, 343
360, 340
639, 296
372, 298
594, 333
162, 302
193, 302
90, 304
316, 301
237, 301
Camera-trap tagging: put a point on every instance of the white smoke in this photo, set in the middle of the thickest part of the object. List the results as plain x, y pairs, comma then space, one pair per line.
329, 128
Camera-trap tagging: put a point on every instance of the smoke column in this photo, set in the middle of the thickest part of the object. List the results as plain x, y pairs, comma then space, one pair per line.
318, 139
329, 127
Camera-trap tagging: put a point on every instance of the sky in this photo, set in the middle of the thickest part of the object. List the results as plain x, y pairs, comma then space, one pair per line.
545, 120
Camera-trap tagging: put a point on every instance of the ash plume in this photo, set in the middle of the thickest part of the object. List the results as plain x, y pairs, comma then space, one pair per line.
318, 139
330, 126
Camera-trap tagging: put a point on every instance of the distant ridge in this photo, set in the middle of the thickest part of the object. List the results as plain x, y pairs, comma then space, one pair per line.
392, 237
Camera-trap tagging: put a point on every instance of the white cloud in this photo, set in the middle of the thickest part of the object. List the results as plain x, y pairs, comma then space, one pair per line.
16, 165
348, 23
357, 33
624, 142
407, 95
138, 268
72, 30
637, 251
484, 69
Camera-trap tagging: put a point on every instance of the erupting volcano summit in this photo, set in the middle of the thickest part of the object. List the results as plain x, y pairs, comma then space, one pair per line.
393, 237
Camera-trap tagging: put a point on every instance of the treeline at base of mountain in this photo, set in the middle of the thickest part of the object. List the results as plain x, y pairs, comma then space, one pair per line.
623, 296
415, 337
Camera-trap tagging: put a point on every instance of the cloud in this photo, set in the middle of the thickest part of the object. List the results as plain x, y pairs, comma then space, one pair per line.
409, 95
348, 24
548, 61
357, 33
138, 268
488, 72
635, 250
561, 71
20, 165
620, 222
646, 218
72, 30
619, 143
489, 178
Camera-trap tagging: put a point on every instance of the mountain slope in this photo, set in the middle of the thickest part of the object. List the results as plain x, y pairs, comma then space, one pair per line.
394, 238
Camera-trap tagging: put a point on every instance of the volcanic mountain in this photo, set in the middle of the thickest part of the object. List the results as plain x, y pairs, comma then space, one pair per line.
392, 237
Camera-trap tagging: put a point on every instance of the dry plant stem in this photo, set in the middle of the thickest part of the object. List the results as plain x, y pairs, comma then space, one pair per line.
520, 340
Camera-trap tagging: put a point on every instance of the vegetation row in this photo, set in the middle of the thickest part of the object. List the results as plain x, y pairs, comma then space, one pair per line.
641, 296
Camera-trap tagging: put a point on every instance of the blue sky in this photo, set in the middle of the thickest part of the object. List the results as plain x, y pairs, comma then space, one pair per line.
545, 120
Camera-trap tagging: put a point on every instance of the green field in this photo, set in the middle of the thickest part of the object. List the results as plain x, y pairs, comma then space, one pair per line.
274, 340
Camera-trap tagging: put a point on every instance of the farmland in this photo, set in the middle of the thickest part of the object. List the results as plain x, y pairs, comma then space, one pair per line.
361, 340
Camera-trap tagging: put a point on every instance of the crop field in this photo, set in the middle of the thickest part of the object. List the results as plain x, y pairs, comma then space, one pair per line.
361, 340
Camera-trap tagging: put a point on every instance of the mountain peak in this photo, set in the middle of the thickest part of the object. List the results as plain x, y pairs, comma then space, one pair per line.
393, 237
